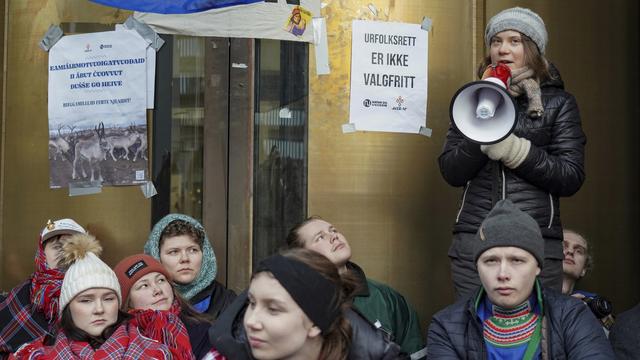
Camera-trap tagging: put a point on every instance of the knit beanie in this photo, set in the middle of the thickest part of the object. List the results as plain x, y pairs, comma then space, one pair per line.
85, 270
60, 227
506, 225
209, 267
519, 19
132, 268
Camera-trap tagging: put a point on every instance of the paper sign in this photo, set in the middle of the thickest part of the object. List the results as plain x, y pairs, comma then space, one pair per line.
388, 77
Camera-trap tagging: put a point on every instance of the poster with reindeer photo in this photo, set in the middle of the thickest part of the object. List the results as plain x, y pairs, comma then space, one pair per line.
97, 109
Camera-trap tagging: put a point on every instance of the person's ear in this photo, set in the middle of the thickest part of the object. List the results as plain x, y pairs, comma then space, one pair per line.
538, 271
583, 273
314, 331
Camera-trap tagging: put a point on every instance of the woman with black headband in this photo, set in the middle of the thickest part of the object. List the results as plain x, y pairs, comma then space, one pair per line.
297, 306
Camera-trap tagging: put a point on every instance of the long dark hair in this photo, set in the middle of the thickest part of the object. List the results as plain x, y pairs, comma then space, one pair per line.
532, 58
75, 333
337, 338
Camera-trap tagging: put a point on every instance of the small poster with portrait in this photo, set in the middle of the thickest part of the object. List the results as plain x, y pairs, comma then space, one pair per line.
298, 20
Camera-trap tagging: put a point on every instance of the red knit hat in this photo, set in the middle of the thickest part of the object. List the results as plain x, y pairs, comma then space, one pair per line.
132, 268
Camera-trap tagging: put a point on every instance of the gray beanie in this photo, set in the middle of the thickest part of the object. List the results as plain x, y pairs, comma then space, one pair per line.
506, 225
519, 19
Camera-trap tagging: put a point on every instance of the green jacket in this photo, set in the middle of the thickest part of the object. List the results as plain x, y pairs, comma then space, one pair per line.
388, 310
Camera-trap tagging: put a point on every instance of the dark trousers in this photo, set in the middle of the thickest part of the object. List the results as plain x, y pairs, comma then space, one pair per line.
465, 275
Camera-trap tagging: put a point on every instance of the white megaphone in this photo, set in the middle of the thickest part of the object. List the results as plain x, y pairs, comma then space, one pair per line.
483, 111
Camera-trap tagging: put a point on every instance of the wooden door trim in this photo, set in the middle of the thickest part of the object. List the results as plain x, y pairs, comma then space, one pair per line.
215, 149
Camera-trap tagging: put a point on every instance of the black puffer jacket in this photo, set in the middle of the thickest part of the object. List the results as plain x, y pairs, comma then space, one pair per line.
220, 298
570, 331
554, 166
229, 338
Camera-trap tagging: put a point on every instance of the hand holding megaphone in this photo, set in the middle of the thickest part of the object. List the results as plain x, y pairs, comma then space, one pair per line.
483, 111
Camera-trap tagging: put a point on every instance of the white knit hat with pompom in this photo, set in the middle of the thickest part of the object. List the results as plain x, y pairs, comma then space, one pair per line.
85, 270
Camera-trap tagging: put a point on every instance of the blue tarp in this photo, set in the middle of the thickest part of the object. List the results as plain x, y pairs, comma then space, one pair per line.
173, 6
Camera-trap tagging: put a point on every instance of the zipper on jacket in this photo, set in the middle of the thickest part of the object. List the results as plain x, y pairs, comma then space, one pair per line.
464, 196
552, 212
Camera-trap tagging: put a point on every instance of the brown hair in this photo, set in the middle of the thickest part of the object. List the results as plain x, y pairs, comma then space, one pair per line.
532, 58
337, 339
294, 241
181, 227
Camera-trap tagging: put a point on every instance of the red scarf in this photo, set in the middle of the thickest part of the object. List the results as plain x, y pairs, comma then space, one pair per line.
165, 327
45, 286
126, 343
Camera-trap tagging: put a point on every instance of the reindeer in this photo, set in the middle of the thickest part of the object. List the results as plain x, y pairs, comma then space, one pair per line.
59, 145
93, 151
124, 141
142, 149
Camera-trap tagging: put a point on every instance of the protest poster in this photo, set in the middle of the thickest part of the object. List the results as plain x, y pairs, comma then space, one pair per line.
97, 109
388, 77
151, 70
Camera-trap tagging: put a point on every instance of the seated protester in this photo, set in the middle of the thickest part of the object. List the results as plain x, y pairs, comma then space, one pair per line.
91, 324
180, 243
31, 308
511, 316
379, 303
577, 263
625, 335
158, 310
297, 306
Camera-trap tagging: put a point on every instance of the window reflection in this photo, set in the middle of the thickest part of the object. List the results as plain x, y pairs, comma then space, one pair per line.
280, 142
187, 125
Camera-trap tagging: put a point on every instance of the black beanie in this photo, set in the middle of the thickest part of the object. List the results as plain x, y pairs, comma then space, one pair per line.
316, 295
506, 225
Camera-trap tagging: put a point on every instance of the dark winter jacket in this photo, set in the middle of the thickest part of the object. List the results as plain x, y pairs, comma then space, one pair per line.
221, 297
554, 166
198, 336
569, 331
625, 334
368, 343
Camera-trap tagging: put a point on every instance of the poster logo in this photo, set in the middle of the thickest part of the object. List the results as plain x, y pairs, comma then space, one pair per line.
375, 103
399, 101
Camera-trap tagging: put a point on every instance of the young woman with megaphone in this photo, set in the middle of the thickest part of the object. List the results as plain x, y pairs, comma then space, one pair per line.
537, 160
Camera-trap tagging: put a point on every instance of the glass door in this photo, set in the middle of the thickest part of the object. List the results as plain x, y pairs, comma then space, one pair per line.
223, 105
